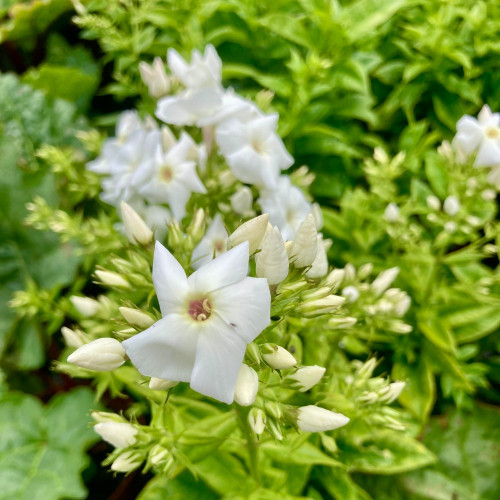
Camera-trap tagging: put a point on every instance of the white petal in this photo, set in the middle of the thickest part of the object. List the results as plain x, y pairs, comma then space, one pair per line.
250, 167
177, 64
224, 270
167, 349
169, 280
488, 154
245, 306
219, 356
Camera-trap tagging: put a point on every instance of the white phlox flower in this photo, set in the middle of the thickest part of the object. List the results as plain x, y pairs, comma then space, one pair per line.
171, 177
286, 206
481, 136
208, 320
155, 77
253, 149
213, 243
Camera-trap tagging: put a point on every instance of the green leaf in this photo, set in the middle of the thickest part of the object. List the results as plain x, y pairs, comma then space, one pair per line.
339, 484
305, 454
42, 448
436, 330
437, 175
182, 487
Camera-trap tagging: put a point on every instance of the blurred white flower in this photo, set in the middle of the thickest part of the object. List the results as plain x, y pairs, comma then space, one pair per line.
451, 205
241, 201
208, 319
155, 78
212, 244
351, 293
391, 213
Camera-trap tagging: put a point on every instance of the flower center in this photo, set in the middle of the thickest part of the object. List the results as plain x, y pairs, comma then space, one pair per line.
493, 132
200, 309
166, 173
219, 245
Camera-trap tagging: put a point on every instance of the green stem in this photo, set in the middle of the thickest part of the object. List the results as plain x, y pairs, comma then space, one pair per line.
252, 445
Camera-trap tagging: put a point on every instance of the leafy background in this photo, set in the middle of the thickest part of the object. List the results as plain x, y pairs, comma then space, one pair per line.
346, 76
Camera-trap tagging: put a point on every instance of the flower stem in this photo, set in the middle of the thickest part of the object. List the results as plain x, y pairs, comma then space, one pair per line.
252, 444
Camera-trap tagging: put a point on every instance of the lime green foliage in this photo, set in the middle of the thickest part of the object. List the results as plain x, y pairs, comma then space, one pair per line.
42, 448
29, 258
344, 74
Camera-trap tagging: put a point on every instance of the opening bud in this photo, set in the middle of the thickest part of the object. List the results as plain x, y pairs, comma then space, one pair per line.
126, 462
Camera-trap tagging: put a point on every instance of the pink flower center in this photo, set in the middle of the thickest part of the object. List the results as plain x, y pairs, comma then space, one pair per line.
219, 245
166, 174
200, 309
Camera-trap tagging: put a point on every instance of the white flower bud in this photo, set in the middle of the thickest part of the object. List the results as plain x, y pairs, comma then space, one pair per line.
85, 305
397, 326
102, 355
319, 267
351, 293
120, 435
126, 462
488, 194
252, 231
160, 384
247, 386
158, 454
227, 179
304, 245
307, 376
450, 226
318, 215
272, 261
335, 278
321, 306
451, 205
277, 357
433, 202
384, 280
315, 419
105, 416
391, 213
136, 317
242, 200
350, 272
168, 140
112, 279
257, 420
340, 323
73, 338
394, 391
366, 369
402, 305
136, 229
155, 78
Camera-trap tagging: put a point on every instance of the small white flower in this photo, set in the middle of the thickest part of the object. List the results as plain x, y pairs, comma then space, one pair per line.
120, 435
277, 357
155, 78
351, 293
254, 150
315, 419
247, 386
272, 261
101, 355
305, 243
85, 305
136, 229
212, 245
308, 376
286, 206
208, 319
451, 205
481, 136
391, 213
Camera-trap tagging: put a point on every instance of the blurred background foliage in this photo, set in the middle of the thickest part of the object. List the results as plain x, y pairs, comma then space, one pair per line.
347, 76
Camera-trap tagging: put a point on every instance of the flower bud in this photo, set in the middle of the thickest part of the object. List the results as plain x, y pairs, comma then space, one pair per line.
275, 429
365, 270
366, 369
112, 279
318, 215
451, 205
351, 293
304, 245
433, 202
247, 386
384, 280
252, 231
242, 200
135, 317
101, 355
307, 376
158, 454
155, 78
160, 384
86, 306
368, 398
488, 194
73, 338
315, 419
340, 323
391, 213
136, 229
380, 155
450, 226
277, 357
335, 278
321, 306
257, 420
319, 267
126, 462
393, 392
272, 261
105, 416
227, 179
120, 435
397, 326
197, 227
168, 140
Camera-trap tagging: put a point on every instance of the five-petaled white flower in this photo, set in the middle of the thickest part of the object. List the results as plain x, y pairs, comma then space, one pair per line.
208, 320
213, 243
481, 136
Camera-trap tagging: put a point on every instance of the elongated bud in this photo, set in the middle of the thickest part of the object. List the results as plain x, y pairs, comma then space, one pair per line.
321, 306
277, 357
315, 419
242, 200
272, 261
227, 179
275, 429
384, 280
126, 462
319, 266
392, 392
105, 416
366, 370
365, 270
102, 355
318, 215
257, 420
451, 206
398, 326
158, 455
110, 278
120, 435
247, 386
155, 78
335, 278
252, 231
253, 353
73, 338
160, 384
136, 229
307, 377
135, 317
168, 140
305, 243
85, 305
351, 293
197, 227
340, 323
175, 236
